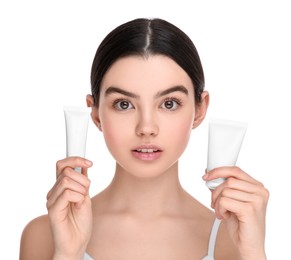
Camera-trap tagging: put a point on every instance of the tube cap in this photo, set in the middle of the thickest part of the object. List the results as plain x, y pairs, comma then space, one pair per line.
213, 184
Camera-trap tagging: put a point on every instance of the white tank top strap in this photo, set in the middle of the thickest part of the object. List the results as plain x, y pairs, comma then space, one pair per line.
212, 240
87, 257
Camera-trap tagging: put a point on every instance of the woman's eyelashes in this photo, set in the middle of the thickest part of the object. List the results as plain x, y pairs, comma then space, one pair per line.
169, 104
122, 104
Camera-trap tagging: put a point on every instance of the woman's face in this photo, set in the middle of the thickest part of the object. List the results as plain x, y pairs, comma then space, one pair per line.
147, 112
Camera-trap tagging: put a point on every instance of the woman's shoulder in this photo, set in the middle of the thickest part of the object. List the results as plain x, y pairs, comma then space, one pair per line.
224, 247
36, 239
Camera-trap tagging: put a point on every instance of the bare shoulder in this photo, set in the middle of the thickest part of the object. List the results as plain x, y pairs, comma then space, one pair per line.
36, 240
225, 248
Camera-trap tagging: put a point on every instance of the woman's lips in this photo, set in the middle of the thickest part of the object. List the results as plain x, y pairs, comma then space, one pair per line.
147, 153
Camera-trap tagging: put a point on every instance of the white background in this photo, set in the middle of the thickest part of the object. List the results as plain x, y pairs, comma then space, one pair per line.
46, 51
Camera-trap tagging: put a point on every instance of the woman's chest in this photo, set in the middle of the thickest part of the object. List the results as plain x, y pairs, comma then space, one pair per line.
149, 240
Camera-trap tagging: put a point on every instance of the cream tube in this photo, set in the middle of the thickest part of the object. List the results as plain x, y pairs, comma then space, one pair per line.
225, 138
77, 120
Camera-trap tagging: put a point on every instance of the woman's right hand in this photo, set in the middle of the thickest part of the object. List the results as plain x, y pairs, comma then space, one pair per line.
69, 209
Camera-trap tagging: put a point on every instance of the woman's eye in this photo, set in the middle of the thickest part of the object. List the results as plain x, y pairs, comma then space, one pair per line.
171, 104
122, 105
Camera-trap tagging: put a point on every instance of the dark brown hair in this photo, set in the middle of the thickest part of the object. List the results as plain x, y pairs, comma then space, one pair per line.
146, 37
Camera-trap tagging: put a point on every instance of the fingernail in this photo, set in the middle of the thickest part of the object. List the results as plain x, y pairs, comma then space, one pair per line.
89, 163
205, 176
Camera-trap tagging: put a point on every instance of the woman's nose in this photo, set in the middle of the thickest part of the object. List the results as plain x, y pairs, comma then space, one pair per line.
147, 125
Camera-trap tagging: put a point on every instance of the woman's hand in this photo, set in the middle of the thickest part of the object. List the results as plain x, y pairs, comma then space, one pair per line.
241, 201
69, 209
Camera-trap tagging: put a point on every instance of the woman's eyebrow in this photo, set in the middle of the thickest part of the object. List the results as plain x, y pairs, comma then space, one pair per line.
113, 89
167, 91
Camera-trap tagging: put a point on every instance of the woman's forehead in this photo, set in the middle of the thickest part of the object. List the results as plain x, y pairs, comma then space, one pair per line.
152, 72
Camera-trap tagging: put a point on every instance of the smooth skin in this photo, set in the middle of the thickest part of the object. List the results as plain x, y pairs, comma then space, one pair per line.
147, 103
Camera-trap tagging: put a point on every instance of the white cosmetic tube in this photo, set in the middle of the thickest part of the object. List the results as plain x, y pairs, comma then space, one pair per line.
225, 139
77, 120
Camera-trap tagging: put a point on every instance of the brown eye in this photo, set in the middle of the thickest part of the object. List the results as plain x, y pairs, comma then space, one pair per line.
171, 104
122, 105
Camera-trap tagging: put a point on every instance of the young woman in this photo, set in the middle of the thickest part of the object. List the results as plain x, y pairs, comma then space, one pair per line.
147, 97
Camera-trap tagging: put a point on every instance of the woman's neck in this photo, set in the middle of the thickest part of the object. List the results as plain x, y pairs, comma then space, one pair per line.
146, 197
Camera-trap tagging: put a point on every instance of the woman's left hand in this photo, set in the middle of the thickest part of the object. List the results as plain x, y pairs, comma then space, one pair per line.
242, 202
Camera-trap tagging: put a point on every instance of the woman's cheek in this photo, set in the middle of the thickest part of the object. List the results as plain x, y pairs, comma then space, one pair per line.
179, 127
115, 135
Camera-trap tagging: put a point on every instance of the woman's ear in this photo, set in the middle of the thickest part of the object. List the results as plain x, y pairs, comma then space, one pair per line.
94, 111
201, 109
